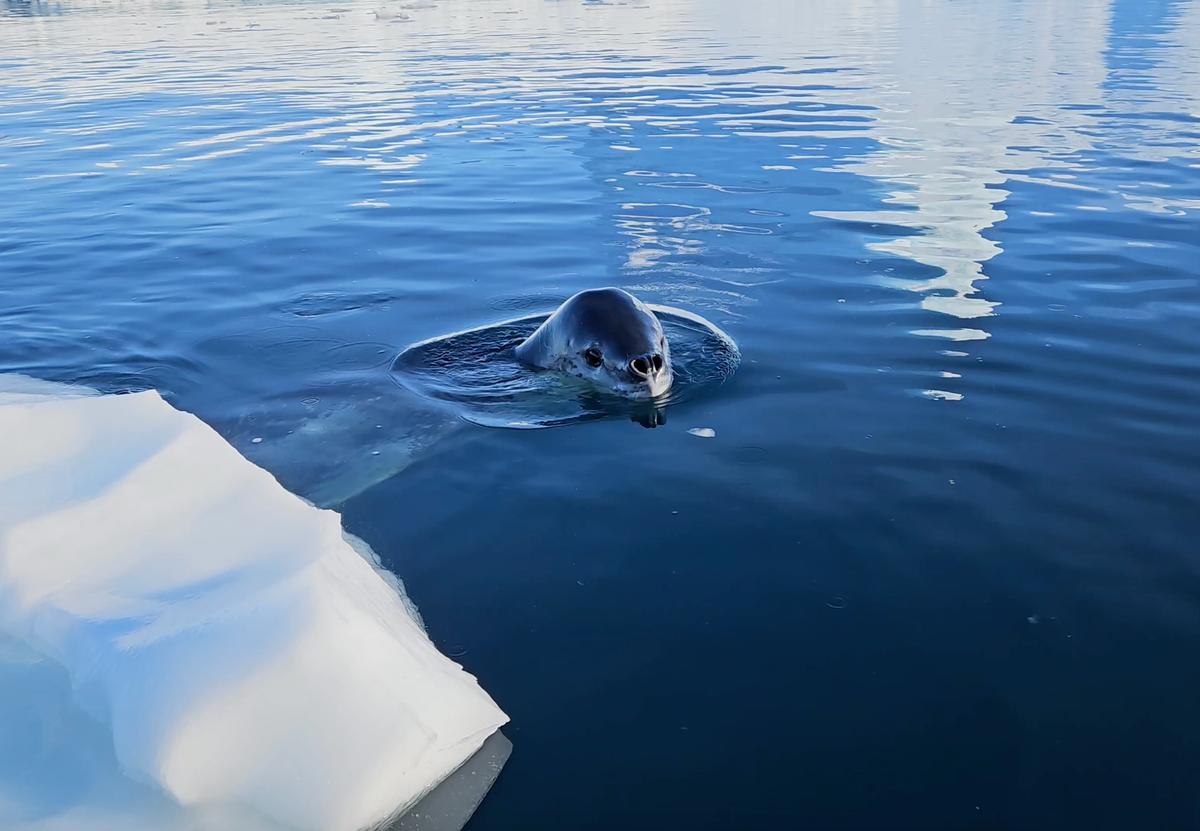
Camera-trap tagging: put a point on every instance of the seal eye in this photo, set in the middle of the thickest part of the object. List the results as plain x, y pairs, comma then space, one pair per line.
593, 357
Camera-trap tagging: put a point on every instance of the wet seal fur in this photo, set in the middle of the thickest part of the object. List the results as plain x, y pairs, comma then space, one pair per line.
608, 337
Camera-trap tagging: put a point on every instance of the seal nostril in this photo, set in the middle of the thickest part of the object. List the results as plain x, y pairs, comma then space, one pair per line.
640, 366
657, 362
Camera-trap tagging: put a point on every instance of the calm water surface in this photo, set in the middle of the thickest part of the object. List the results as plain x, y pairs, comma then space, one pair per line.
939, 568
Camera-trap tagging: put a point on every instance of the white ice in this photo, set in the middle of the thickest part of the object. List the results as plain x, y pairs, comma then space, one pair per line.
241, 660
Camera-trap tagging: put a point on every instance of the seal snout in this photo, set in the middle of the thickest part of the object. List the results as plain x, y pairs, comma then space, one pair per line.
646, 366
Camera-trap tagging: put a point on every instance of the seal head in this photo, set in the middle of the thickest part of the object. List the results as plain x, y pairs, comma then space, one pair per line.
607, 336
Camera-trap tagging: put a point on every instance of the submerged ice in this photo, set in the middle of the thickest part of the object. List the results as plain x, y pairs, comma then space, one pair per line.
235, 650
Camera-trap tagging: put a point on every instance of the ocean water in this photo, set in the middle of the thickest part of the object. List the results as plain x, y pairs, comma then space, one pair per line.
938, 566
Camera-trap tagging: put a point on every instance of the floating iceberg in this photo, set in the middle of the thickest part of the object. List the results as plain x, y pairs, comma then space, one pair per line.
242, 649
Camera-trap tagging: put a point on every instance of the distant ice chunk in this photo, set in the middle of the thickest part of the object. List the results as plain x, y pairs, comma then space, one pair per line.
241, 649
703, 432
385, 14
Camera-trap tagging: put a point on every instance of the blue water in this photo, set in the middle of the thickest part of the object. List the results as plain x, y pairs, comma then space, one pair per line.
938, 568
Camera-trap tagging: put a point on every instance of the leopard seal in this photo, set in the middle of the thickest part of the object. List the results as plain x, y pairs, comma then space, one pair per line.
606, 336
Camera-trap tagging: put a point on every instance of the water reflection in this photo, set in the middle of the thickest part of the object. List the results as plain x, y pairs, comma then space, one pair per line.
254, 206
1152, 89
698, 128
28, 8
950, 140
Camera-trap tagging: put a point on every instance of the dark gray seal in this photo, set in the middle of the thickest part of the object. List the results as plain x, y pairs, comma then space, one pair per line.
608, 337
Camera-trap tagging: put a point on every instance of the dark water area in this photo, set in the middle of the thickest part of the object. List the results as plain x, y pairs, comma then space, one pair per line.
939, 565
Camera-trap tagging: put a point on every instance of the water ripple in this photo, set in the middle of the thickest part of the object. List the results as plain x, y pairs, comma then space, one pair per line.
936, 269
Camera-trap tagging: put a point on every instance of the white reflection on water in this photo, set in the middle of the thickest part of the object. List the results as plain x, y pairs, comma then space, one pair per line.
954, 122
957, 100
951, 123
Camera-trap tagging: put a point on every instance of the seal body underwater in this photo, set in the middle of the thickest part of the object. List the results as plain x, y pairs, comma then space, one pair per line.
608, 337
347, 430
